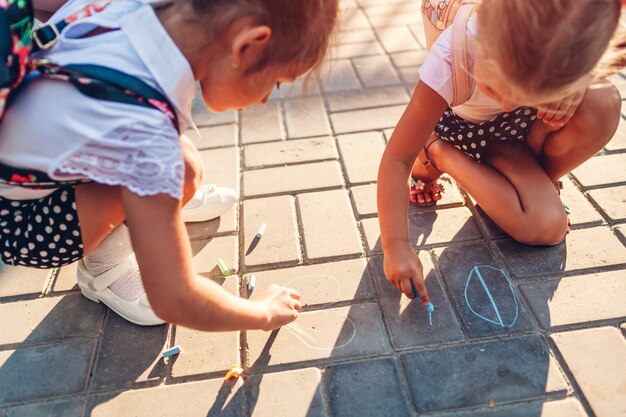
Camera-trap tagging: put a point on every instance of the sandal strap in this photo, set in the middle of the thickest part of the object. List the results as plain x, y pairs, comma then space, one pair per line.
106, 279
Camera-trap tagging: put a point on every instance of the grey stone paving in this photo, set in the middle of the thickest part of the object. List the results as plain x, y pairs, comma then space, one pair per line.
307, 167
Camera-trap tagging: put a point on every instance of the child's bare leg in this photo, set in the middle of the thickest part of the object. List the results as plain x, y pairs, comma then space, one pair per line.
590, 128
511, 187
100, 207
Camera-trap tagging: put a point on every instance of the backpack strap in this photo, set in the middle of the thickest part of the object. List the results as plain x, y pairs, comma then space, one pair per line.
47, 34
98, 82
460, 65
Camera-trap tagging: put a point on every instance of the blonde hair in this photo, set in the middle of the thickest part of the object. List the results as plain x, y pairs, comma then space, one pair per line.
545, 46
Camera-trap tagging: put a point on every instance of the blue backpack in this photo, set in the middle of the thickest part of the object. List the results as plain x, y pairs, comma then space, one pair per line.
18, 41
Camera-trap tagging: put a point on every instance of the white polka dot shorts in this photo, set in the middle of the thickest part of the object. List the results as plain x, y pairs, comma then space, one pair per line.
473, 138
43, 233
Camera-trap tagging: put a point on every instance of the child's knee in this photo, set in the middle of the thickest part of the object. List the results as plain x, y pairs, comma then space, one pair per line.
193, 168
549, 229
599, 113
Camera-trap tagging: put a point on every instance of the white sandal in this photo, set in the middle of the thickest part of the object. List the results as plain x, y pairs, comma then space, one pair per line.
96, 288
208, 203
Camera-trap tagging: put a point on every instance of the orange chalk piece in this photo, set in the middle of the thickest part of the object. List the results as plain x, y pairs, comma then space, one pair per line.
235, 371
491, 404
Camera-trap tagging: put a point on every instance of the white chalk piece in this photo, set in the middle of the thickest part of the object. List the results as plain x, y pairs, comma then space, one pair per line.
261, 230
172, 351
251, 282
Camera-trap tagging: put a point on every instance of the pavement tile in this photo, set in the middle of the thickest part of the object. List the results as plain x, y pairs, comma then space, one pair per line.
364, 198
399, 19
296, 178
204, 352
596, 359
71, 408
306, 117
204, 117
577, 299
618, 142
296, 89
294, 393
42, 371
407, 320
289, 152
196, 399
457, 267
49, 319
280, 242
363, 120
339, 333
66, 278
429, 227
390, 9
397, 39
569, 407
409, 75
206, 253
221, 167
376, 71
467, 376
262, 123
408, 59
339, 234
353, 19
322, 283
419, 33
339, 76
602, 170
368, 389
19, 280
361, 154
582, 211
128, 354
226, 223
582, 249
612, 201
215, 136
356, 50
356, 36
375, 97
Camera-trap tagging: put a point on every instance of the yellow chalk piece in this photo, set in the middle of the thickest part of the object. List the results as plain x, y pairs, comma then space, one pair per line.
235, 371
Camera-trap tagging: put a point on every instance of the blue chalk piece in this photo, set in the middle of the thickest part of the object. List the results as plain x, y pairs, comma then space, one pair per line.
429, 307
172, 351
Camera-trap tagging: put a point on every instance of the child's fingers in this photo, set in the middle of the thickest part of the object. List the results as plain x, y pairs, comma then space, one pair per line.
422, 292
407, 288
294, 294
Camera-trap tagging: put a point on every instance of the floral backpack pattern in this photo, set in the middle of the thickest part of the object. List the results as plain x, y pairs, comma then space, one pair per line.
16, 25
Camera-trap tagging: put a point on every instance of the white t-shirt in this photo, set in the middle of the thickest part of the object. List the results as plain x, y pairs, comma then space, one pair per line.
52, 127
436, 72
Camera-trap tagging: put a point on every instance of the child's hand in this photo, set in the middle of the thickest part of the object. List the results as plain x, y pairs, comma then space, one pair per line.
557, 113
402, 265
281, 305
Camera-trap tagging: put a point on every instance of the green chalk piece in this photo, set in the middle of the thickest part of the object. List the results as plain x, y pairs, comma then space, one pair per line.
222, 266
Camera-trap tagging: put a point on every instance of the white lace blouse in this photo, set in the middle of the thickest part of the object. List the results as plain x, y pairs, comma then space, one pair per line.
54, 128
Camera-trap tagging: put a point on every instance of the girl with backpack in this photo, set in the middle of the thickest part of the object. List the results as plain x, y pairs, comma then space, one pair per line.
93, 164
511, 97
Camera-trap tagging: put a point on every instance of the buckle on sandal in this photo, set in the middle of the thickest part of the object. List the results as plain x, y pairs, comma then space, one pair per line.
46, 44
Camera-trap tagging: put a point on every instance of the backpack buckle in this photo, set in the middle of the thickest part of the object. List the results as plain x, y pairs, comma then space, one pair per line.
46, 35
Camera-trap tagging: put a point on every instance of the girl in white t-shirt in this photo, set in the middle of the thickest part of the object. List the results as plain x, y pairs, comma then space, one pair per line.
133, 169
520, 54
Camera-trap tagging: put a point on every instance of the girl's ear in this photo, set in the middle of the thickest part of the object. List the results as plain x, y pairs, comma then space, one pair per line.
249, 43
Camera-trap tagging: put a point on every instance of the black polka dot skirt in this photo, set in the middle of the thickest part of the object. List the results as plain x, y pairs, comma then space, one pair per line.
42, 233
473, 138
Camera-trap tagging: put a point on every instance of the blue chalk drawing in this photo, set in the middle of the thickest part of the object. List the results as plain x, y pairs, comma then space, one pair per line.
499, 321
